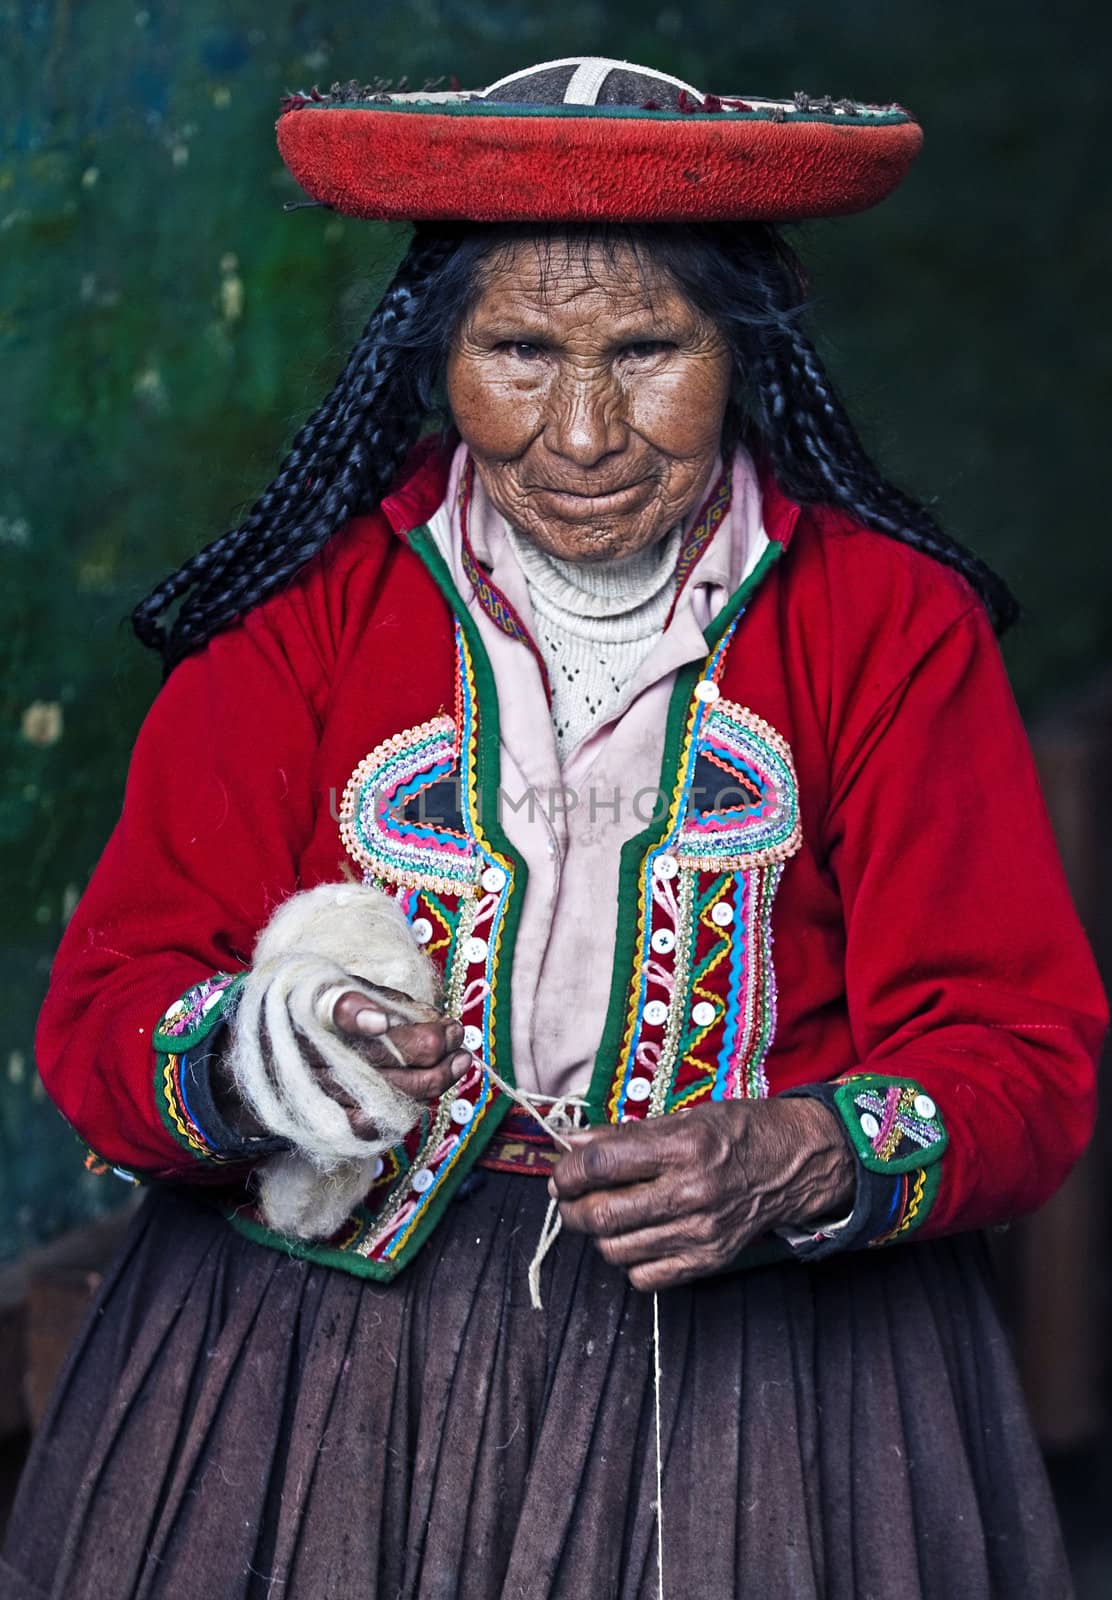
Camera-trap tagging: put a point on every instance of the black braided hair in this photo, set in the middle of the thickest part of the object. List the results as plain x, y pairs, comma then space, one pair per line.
786, 406
343, 460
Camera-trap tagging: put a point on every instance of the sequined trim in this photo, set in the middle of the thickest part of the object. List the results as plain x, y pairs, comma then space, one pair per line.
190, 1019
460, 910
181, 1029
385, 824
751, 818
893, 1124
705, 915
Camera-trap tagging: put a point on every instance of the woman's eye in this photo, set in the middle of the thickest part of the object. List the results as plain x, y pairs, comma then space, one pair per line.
645, 349
522, 349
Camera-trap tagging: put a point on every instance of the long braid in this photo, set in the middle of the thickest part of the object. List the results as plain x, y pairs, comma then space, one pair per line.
750, 282
341, 462
812, 443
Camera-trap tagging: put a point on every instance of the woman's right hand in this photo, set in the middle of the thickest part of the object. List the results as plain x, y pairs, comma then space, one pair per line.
420, 1056
415, 1047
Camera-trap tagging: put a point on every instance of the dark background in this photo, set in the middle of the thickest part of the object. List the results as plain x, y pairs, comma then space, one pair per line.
164, 326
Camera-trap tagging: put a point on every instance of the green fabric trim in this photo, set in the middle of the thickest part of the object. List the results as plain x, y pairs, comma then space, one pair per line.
362, 1266
636, 849
907, 1155
179, 1044
505, 108
167, 1045
765, 1252
489, 777
304, 1250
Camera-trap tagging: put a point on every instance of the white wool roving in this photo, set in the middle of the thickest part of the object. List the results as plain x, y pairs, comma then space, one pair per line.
316, 946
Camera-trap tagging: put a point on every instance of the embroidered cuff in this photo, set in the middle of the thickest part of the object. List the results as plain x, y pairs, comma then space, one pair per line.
897, 1138
197, 1072
186, 1041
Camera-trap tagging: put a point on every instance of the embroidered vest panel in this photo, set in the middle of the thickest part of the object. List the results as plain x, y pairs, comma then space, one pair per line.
701, 999
693, 1000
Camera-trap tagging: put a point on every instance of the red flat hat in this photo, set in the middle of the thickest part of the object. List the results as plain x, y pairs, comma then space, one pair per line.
587, 140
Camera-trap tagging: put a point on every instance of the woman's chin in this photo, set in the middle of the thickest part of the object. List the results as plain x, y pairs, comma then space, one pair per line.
596, 527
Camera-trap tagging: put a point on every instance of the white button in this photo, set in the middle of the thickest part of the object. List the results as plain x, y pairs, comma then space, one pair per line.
472, 1038
474, 951
707, 691
663, 941
378, 1169
462, 1112
924, 1107
703, 1014
422, 1180
639, 1089
656, 1012
493, 879
722, 914
870, 1127
421, 929
666, 866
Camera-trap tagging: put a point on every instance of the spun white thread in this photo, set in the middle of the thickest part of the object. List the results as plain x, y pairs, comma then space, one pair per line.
550, 1230
657, 1375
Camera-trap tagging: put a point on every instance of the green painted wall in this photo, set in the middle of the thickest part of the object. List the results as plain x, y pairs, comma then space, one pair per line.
164, 326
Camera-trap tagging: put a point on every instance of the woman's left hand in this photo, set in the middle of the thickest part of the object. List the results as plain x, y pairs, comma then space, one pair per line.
679, 1197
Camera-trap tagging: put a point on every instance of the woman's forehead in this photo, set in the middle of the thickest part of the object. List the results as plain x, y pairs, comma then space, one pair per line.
570, 275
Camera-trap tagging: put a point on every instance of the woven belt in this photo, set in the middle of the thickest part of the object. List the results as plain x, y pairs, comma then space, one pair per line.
520, 1145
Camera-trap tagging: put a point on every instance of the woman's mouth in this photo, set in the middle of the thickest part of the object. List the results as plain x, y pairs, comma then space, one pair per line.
575, 505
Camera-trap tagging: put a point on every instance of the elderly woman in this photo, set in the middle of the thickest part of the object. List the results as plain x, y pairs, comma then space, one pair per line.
637, 665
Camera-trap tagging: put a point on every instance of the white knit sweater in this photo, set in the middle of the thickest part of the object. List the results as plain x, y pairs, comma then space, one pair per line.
595, 622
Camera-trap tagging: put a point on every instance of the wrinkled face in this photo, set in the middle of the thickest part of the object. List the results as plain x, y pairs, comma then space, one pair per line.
591, 394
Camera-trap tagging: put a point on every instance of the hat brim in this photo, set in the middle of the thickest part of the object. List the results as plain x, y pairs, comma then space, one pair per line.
486, 162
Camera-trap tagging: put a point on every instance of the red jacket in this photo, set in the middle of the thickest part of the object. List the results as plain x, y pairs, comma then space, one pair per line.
923, 932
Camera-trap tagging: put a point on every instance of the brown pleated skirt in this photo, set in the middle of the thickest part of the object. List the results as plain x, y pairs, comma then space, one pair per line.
235, 1424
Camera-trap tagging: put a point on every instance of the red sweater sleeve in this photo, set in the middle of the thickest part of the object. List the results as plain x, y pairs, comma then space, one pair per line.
967, 971
217, 809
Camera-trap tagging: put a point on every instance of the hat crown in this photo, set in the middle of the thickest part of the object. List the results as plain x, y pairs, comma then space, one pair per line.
590, 81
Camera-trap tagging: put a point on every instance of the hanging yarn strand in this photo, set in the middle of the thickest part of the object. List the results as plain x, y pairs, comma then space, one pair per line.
657, 1374
550, 1229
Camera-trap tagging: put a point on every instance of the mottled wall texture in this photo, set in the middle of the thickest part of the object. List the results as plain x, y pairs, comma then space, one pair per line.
164, 325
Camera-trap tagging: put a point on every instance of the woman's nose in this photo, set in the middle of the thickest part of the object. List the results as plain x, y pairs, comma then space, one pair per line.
585, 421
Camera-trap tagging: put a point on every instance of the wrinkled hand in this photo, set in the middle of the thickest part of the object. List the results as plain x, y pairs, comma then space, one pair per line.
678, 1197
420, 1055
414, 1046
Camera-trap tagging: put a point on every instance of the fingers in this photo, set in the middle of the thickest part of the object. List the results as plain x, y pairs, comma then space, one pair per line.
428, 1083
605, 1213
666, 1201
352, 1012
417, 1044
612, 1157
420, 1057
423, 1042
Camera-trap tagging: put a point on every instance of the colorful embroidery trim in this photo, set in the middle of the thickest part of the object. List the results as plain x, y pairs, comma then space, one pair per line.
750, 1011
893, 1125
394, 823
685, 1040
745, 810
184, 1024
701, 533
182, 1028
432, 867
915, 1195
